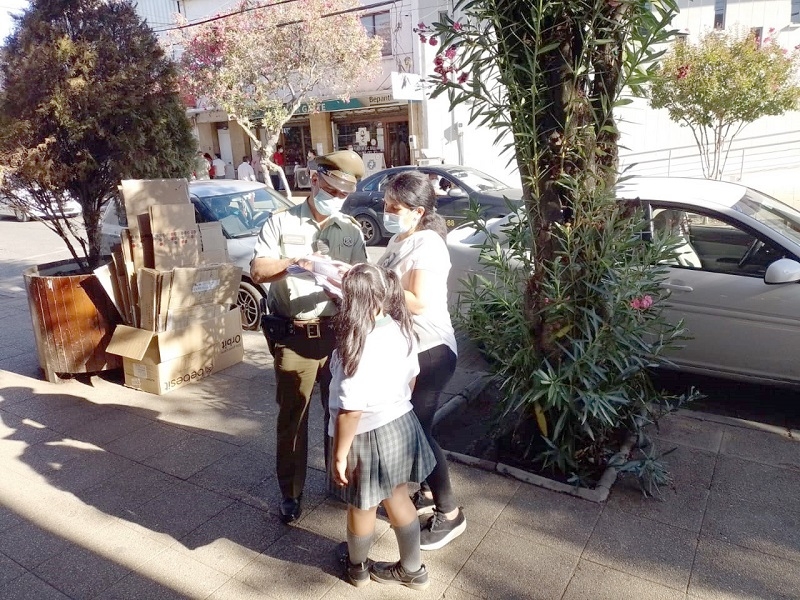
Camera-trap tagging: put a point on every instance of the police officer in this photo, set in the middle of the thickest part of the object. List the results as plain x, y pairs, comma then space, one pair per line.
299, 328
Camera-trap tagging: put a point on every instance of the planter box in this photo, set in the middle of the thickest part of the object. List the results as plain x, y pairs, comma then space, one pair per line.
73, 319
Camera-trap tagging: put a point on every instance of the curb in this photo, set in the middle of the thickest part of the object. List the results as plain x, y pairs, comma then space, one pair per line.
597, 494
737, 422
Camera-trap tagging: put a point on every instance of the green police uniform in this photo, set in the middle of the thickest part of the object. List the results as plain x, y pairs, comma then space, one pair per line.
301, 357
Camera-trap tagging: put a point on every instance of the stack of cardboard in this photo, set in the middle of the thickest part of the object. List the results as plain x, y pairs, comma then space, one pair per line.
171, 281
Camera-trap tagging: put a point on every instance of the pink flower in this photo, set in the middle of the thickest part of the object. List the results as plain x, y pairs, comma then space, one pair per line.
420, 25
462, 77
433, 41
423, 39
683, 71
457, 26
642, 303
450, 52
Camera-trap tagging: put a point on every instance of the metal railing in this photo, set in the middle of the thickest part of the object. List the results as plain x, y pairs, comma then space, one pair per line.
747, 155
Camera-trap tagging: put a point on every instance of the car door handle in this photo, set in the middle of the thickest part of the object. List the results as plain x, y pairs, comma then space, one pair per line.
676, 287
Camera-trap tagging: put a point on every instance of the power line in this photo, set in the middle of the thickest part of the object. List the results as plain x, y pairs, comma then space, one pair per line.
279, 3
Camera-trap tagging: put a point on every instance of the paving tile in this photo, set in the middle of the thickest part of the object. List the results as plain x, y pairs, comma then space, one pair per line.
9, 570
109, 426
643, 548
483, 495
679, 505
344, 590
148, 441
233, 538
726, 572
30, 545
703, 435
762, 446
237, 473
190, 455
81, 573
549, 518
488, 572
756, 482
179, 510
687, 466
454, 593
87, 469
236, 590
30, 587
168, 576
122, 495
601, 583
752, 524
127, 544
299, 565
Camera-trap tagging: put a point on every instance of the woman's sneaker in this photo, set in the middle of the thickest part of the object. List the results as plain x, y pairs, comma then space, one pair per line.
395, 574
440, 531
422, 503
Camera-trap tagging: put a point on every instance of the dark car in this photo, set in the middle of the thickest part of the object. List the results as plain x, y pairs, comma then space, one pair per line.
455, 188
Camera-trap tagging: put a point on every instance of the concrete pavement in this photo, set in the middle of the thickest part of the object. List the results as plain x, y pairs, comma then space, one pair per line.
108, 493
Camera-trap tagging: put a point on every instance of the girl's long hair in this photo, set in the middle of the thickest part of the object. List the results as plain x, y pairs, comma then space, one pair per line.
366, 289
413, 189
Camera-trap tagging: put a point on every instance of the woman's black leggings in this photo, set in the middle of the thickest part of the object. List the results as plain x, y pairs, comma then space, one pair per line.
436, 367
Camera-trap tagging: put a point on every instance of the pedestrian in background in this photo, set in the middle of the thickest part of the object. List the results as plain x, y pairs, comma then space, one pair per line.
378, 445
298, 327
219, 167
245, 171
280, 160
201, 167
418, 254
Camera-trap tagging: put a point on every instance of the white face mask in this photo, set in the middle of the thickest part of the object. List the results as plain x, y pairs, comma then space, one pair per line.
394, 224
327, 204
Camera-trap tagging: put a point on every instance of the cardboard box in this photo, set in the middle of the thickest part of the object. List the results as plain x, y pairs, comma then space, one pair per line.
161, 362
175, 238
213, 243
208, 284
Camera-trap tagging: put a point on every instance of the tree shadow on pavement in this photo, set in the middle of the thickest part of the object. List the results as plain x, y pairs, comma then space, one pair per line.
174, 501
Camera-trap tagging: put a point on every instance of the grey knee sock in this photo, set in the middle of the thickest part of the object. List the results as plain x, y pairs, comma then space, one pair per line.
358, 547
408, 542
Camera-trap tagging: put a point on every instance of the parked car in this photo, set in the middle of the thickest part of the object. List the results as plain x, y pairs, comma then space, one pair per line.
23, 208
735, 282
455, 187
241, 207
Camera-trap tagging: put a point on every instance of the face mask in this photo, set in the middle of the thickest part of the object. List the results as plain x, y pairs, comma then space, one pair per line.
394, 224
327, 204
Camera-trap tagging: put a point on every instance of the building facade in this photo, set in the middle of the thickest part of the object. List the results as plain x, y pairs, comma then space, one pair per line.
394, 121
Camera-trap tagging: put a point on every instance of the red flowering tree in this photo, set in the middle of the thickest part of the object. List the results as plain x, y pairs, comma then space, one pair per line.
260, 63
723, 82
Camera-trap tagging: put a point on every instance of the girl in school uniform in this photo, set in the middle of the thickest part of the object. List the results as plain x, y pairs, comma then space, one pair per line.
378, 445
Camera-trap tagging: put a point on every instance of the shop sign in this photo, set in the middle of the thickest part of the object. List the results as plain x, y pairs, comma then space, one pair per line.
376, 99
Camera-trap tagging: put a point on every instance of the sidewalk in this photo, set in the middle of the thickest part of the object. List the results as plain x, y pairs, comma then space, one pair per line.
109, 493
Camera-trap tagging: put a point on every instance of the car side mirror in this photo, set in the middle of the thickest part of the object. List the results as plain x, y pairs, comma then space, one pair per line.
456, 193
783, 270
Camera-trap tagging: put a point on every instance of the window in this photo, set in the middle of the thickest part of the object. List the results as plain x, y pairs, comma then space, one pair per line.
719, 13
757, 33
711, 244
795, 11
380, 25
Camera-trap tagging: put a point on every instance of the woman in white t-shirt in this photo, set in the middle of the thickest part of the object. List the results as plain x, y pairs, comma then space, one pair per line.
378, 445
418, 254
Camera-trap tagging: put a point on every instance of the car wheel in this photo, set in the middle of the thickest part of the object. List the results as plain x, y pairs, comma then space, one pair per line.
21, 216
248, 301
370, 229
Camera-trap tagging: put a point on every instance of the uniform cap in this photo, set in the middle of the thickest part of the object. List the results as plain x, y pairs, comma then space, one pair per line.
341, 169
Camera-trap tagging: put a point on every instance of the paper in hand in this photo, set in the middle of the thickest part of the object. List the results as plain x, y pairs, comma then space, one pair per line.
326, 273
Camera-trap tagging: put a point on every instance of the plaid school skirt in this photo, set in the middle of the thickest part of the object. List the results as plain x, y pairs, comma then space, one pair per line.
381, 459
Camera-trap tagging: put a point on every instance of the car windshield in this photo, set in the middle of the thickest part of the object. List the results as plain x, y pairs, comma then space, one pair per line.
243, 213
477, 180
773, 213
